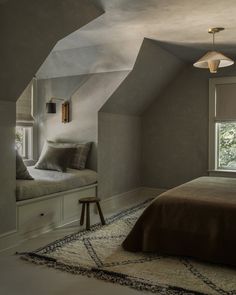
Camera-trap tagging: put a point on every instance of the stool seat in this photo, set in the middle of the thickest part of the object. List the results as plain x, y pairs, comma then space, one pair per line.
85, 203
89, 200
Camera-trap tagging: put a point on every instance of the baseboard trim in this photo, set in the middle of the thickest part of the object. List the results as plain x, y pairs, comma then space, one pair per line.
152, 191
9, 240
14, 238
117, 202
136, 195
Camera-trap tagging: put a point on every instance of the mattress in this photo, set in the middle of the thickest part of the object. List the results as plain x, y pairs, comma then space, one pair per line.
49, 182
196, 219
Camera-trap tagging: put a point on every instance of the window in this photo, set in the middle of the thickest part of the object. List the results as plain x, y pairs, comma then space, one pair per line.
25, 126
226, 145
24, 141
222, 124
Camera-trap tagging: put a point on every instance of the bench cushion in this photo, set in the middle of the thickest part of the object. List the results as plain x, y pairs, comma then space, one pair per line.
48, 182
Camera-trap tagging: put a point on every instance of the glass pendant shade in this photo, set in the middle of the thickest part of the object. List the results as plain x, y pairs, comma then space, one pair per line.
213, 60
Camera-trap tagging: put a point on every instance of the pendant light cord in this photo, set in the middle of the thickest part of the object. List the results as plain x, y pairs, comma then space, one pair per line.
213, 36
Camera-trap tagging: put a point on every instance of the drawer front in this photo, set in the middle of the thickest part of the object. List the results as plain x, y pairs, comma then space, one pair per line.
39, 215
72, 208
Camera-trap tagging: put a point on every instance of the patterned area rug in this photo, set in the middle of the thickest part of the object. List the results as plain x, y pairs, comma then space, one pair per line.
98, 253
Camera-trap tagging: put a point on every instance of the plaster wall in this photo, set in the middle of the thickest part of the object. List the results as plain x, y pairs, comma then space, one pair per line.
90, 60
87, 94
119, 153
154, 68
7, 164
175, 130
29, 29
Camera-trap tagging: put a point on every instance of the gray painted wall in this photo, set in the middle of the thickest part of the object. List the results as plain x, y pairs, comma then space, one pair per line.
153, 70
152, 124
7, 164
119, 153
119, 157
175, 130
29, 29
88, 93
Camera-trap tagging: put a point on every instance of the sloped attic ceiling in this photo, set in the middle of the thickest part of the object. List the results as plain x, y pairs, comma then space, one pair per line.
112, 41
154, 69
29, 29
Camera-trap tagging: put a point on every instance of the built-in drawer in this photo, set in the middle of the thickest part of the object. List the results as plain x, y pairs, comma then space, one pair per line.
39, 215
71, 205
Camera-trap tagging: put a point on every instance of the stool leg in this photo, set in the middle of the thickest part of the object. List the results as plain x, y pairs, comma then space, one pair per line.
82, 214
100, 214
87, 217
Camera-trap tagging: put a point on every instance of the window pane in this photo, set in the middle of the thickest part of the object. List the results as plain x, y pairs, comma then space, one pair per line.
20, 140
226, 145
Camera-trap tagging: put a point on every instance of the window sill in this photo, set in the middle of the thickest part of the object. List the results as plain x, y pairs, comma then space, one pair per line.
222, 173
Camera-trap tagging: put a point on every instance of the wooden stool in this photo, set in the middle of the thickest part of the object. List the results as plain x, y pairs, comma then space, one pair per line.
87, 201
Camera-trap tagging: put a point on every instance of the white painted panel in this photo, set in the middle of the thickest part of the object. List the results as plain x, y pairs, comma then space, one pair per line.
39, 215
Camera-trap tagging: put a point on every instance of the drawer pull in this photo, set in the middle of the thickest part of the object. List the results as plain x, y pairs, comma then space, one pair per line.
42, 214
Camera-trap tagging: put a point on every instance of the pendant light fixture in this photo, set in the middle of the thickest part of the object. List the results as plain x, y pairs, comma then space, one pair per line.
213, 60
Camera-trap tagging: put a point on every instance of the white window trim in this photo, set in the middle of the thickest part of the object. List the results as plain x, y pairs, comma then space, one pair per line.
25, 144
33, 147
28, 142
213, 169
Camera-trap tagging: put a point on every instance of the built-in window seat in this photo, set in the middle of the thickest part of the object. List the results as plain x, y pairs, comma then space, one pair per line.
48, 182
52, 198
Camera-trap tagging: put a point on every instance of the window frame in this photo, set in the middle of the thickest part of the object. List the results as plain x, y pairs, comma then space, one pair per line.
32, 154
28, 144
213, 134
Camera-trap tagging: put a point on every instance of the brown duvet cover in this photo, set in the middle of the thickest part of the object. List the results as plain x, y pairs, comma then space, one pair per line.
196, 219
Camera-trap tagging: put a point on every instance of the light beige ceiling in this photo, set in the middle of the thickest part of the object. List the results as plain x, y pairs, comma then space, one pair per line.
184, 21
120, 31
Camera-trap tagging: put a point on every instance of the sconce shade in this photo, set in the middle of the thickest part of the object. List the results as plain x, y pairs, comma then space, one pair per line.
213, 60
51, 107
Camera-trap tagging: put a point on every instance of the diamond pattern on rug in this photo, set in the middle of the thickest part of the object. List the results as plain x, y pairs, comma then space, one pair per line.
98, 253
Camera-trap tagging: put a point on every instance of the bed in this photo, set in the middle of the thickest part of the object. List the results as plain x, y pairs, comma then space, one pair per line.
196, 219
47, 182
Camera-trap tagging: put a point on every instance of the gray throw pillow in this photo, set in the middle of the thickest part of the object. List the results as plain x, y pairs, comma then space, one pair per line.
80, 156
56, 159
21, 170
79, 159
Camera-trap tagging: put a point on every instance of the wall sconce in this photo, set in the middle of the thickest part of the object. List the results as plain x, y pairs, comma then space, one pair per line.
51, 108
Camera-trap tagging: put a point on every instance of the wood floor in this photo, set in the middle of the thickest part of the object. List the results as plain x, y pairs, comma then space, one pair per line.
18, 277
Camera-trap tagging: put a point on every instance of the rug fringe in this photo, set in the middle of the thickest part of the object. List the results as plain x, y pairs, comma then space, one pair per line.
109, 276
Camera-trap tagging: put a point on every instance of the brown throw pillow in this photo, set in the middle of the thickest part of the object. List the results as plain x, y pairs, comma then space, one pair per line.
56, 159
21, 170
